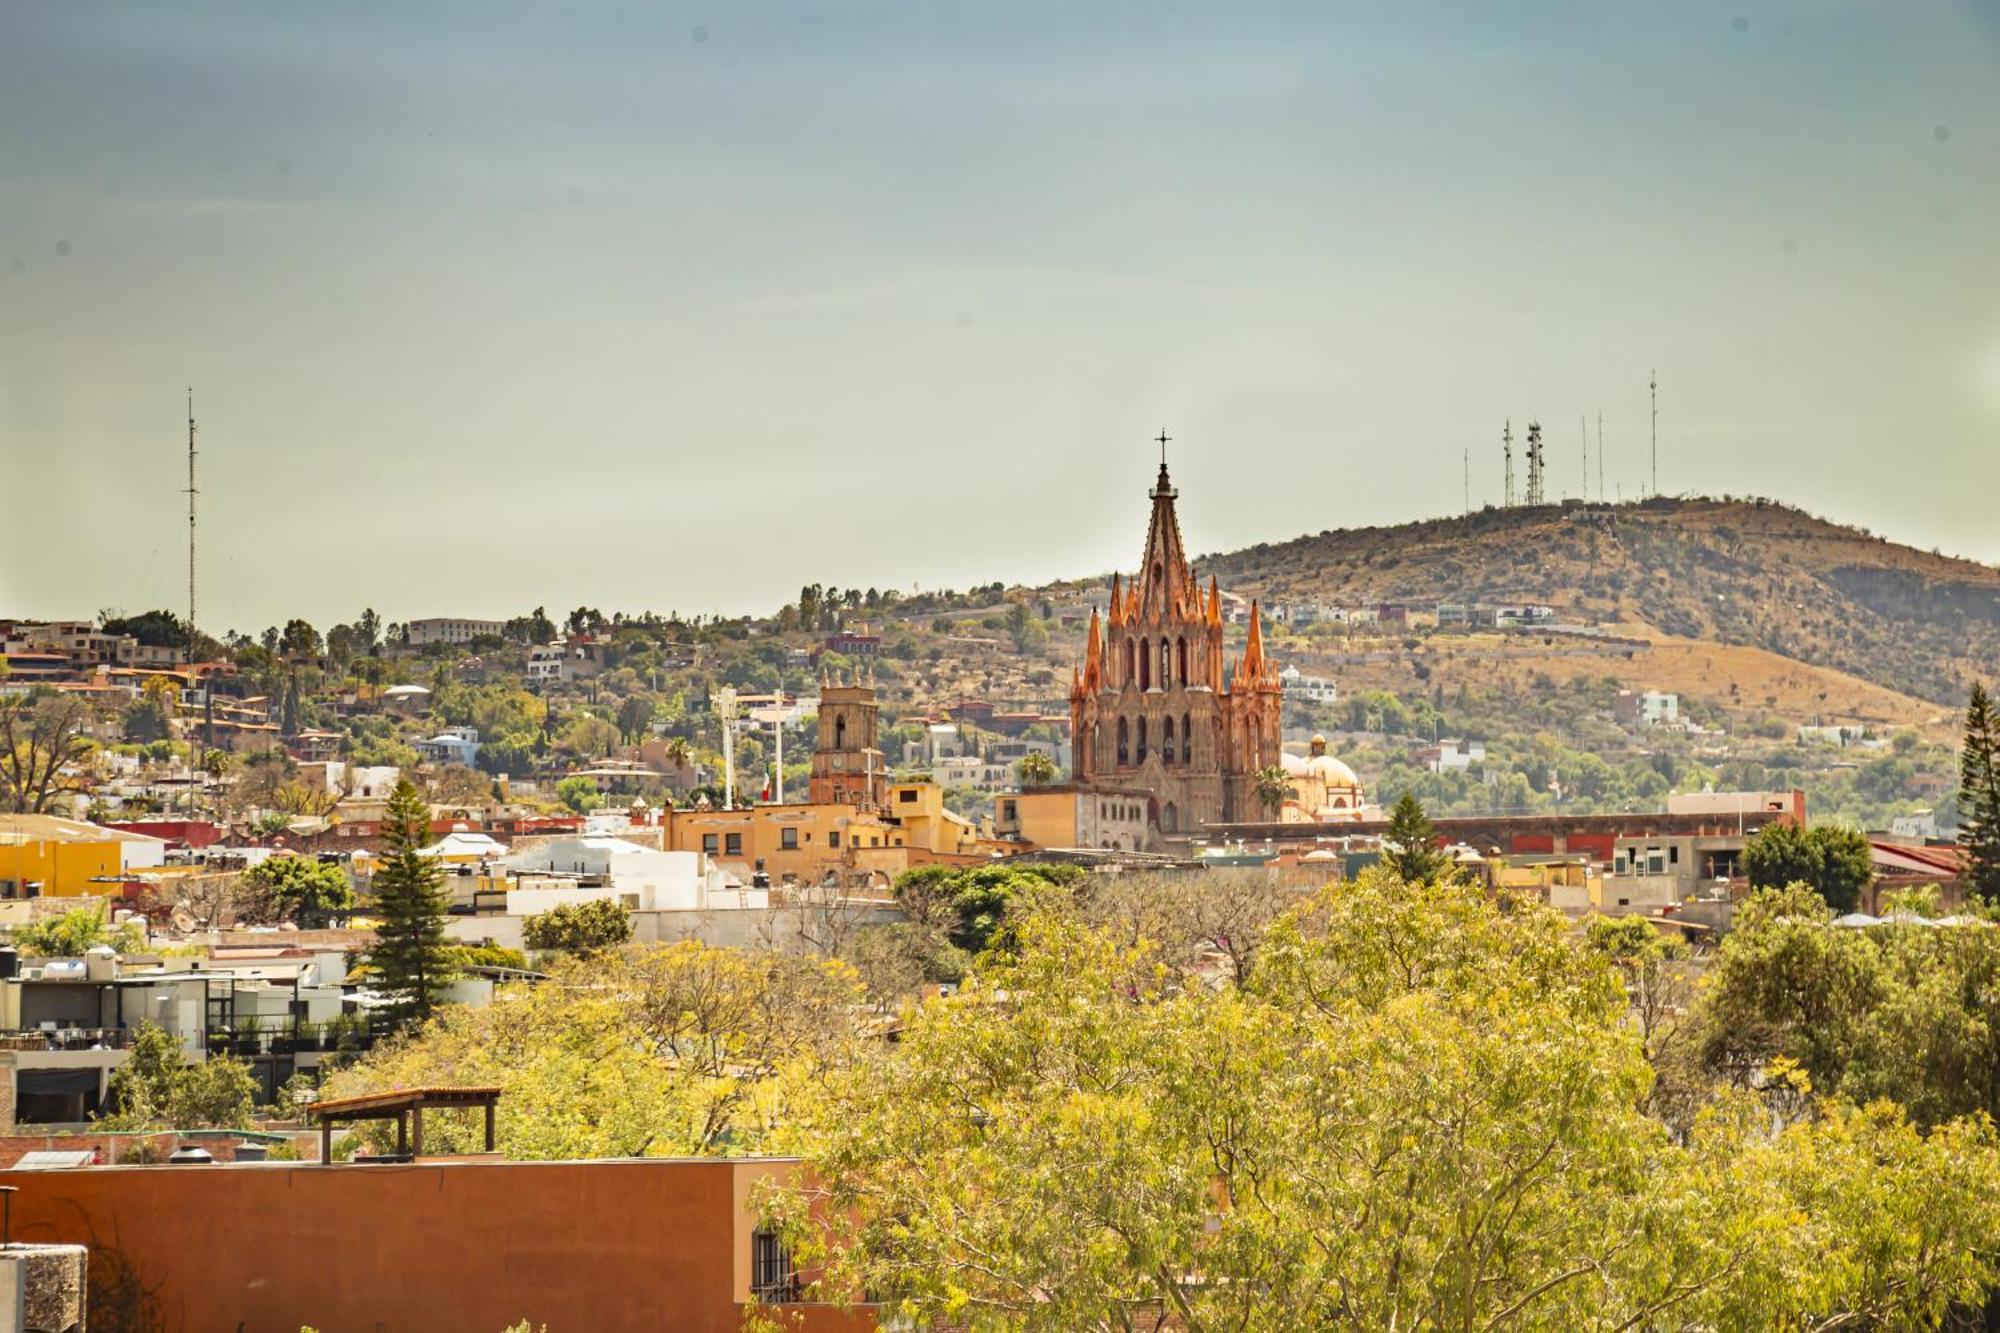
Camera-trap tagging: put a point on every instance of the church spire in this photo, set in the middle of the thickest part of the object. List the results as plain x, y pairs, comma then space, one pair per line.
1165, 580
1254, 668
1117, 607
1093, 659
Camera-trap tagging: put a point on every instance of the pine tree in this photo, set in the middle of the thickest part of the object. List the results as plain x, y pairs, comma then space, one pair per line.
1410, 846
410, 955
1979, 796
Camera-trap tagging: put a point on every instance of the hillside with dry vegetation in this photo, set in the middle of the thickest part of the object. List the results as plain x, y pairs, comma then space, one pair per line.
1748, 573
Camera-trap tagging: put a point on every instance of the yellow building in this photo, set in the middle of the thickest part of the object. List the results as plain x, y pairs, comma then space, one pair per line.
1067, 816
50, 857
806, 843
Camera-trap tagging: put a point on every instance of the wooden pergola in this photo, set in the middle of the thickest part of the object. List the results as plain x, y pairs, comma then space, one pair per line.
405, 1106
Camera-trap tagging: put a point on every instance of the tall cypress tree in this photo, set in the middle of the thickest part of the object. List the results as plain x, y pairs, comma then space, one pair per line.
1409, 847
1979, 796
410, 956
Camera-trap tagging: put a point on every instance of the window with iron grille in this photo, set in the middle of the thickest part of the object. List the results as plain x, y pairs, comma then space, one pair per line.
773, 1280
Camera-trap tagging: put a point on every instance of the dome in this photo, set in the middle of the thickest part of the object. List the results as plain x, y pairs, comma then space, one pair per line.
1332, 772
1294, 766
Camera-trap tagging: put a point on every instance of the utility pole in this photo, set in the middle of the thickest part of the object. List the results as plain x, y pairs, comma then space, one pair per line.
1507, 449
725, 712
1653, 387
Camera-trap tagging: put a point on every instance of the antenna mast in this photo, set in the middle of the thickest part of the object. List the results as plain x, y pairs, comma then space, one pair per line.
1654, 388
1600, 458
1466, 464
1507, 449
191, 493
1535, 496
1583, 428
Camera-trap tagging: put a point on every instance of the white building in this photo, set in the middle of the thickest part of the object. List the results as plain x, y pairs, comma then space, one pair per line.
1301, 688
442, 630
598, 866
453, 745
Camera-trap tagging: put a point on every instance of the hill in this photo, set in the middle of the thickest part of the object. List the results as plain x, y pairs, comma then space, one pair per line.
1737, 573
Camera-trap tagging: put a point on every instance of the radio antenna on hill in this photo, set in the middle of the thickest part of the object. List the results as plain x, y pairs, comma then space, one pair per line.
1535, 495
1507, 451
1600, 458
1466, 462
1653, 387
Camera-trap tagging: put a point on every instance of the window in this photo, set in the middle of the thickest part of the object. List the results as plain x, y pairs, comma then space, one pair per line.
1187, 738
833, 838
1142, 740
1007, 810
788, 839
1181, 647
907, 796
1128, 661
733, 842
840, 733
773, 1280
1166, 664
1124, 743
708, 843
1145, 669
1167, 741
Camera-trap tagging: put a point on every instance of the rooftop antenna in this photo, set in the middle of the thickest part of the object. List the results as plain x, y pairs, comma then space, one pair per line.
1507, 449
1654, 388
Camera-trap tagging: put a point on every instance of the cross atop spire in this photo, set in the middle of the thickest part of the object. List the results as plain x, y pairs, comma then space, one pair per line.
1164, 438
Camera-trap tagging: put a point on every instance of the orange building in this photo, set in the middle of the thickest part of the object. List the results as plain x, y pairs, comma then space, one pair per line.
444, 1246
1154, 707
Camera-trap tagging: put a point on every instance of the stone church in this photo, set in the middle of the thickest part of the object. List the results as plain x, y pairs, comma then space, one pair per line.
1154, 707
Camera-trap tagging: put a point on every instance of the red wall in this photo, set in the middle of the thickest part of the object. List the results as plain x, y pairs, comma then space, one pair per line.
584, 1247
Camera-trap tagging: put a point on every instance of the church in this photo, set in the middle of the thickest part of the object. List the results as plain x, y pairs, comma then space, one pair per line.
1155, 708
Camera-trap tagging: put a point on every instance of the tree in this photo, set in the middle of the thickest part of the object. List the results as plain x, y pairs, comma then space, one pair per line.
299, 639
635, 718
157, 1087
41, 744
580, 794
1833, 859
1036, 769
1979, 796
75, 932
665, 1051
579, 928
368, 631
1421, 1112
302, 889
1274, 788
1410, 845
409, 957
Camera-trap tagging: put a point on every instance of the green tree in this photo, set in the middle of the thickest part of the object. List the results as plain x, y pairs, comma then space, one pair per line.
157, 1087
578, 927
580, 794
1421, 1112
1833, 859
1410, 845
302, 889
1979, 796
635, 718
410, 956
1035, 769
1274, 788
75, 932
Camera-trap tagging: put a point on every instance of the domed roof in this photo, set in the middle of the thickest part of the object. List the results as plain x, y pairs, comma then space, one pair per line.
1332, 772
1294, 765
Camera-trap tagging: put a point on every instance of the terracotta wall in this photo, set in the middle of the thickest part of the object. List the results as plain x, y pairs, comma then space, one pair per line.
583, 1247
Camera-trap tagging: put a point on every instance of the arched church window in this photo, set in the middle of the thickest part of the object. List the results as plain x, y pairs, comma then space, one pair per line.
1124, 743
1169, 818
1142, 740
840, 733
1187, 738
1145, 668
1180, 645
1166, 663
1128, 662
1167, 741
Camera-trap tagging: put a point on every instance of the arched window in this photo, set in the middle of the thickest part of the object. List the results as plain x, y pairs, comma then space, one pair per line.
1142, 740
1145, 667
1166, 663
1180, 646
1124, 743
1169, 818
840, 733
1187, 738
1167, 741
1128, 661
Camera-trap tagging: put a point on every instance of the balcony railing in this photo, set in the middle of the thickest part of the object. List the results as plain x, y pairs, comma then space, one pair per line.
65, 1039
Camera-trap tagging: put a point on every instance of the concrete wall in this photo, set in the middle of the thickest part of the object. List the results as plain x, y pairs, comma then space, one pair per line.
446, 1247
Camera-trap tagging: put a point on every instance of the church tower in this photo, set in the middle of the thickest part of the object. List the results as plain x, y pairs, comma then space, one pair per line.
1153, 705
847, 766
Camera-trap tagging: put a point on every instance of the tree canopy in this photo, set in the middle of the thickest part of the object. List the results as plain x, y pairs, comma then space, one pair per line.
410, 956
1832, 858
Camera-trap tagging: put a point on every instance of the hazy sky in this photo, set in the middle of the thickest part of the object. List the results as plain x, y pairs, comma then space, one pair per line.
645, 307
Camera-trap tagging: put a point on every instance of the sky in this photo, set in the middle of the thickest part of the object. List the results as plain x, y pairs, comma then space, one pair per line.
677, 308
